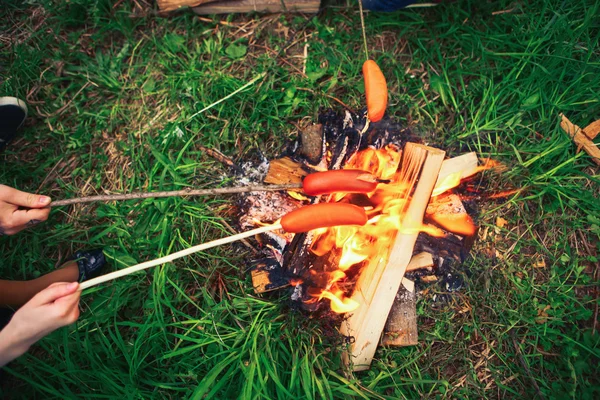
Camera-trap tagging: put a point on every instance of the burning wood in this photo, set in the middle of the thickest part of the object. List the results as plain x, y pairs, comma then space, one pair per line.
285, 170
448, 212
358, 270
379, 282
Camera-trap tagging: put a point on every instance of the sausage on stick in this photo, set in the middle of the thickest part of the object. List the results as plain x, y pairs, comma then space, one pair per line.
349, 181
301, 220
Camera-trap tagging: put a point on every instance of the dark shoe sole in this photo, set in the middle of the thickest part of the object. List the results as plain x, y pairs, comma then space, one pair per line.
12, 115
90, 263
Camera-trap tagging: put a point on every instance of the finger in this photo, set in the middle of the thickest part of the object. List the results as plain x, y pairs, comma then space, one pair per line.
54, 292
22, 219
67, 308
23, 199
69, 300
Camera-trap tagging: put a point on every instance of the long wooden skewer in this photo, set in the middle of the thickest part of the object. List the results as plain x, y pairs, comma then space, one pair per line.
173, 193
174, 256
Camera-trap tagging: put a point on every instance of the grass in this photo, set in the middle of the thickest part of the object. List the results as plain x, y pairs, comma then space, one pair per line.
117, 101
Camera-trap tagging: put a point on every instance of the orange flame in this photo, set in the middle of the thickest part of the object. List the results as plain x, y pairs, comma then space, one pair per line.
459, 223
385, 207
450, 182
339, 303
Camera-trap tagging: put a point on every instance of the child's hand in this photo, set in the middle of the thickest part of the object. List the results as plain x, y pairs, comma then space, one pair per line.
12, 218
50, 309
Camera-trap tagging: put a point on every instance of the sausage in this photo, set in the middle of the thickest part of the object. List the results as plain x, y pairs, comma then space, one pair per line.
375, 90
323, 215
342, 180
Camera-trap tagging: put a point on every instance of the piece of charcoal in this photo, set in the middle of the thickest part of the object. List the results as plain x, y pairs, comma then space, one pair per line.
452, 282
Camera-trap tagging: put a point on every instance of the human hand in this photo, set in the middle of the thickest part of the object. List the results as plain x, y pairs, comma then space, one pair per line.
20, 210
50, 309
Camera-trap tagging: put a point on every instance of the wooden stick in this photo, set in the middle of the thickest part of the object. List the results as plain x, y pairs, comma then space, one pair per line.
582, 141
175, 256
245, 6
379, 281
173, 193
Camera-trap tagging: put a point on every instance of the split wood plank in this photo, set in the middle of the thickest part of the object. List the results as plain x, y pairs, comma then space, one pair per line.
380, 280
580, 138
448, 211
421, 260
457, 168
269, 6
285, 170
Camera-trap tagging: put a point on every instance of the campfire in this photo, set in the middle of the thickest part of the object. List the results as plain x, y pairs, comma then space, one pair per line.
418, 227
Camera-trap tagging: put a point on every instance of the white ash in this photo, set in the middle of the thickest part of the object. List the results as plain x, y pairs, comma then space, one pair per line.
280, 240
276, 255
265, 207
253, 173
297, 293
348, 121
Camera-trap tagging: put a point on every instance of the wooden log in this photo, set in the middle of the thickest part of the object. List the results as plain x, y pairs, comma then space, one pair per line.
380, 280
312, 144
448, 211
419, 261
269, 6
264, 281
592, 130
285, 170
401, 326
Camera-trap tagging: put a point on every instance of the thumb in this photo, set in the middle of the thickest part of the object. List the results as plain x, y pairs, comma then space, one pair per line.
55, 291
24, 199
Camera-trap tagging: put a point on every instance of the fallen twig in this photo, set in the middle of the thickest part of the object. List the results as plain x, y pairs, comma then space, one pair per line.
217, 155
526, 366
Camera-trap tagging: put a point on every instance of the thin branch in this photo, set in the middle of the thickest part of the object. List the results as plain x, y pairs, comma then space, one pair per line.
171, 257
174, 193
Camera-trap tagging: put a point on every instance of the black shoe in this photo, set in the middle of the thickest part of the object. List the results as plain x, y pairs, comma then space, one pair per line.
89, 263
12, 115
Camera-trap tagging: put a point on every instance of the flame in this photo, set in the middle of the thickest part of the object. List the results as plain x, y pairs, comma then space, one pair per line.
459, 223
386, 206
449, 182
296, 282
430, 230
339, 303
297, 195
